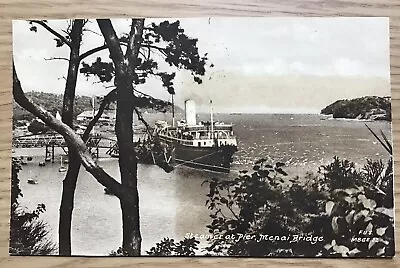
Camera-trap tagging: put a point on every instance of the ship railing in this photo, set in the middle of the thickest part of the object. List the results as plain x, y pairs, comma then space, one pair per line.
228, 138
219, 141
182, 141
200, 128
216, 137
208, 128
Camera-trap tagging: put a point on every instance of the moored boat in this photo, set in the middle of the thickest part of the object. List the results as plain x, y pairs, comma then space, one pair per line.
205, 145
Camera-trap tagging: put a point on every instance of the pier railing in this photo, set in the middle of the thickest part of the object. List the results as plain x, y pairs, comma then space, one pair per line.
44, 140
38, 141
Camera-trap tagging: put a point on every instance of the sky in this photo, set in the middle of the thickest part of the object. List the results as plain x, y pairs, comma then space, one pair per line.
262, 65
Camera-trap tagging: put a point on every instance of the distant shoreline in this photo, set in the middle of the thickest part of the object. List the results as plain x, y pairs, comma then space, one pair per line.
372, 108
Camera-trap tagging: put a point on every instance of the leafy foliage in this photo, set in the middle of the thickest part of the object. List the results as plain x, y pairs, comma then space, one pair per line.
180, 50
168, 247
331, 211
104, 70
28, 235
362, 213
36, 127
263, 202
361, 225
339, 174
165, 40
119, 253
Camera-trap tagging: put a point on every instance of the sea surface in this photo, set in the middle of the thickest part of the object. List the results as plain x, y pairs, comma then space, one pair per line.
173, 204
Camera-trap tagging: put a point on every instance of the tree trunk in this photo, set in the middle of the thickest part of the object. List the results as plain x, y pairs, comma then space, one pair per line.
69, 186
127, 156
69, 183
67, 204
73, 68
124, 75
128, 169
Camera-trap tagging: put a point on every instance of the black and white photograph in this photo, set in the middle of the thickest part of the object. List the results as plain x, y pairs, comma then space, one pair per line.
206, 136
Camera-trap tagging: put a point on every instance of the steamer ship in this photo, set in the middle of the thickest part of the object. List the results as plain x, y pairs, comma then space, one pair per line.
205, 145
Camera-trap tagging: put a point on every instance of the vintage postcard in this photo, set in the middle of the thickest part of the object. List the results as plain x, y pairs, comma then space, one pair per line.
221, 136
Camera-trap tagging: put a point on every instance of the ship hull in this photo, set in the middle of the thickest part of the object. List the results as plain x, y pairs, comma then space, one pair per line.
216, 159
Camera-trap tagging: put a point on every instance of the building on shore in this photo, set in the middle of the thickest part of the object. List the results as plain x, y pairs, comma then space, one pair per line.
106, 117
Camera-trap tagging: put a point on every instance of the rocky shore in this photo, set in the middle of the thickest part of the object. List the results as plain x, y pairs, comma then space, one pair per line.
369, 107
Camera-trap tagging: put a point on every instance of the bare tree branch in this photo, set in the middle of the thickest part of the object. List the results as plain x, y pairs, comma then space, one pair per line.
230, 208
148, 53
142, 53
52, 31
107, 99
140, 117
162, 50
92, 51
144, 94
88, 30
56, 58
97, 49
74, 141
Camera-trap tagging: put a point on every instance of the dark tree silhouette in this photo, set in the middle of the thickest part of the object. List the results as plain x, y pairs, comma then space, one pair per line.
132, 68
127, 161
37, 127
28, 234
74, 140
128, 69
73, 39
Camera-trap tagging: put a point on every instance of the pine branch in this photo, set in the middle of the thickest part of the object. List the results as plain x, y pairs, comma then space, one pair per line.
52, 31
140, 117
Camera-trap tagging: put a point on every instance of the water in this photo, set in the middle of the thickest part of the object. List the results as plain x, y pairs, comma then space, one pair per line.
172, 205
304, 142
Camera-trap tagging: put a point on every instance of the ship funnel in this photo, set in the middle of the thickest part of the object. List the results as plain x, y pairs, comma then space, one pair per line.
190, 112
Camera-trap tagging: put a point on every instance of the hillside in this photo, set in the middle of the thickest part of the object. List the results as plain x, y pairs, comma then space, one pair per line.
369, 107
53, 103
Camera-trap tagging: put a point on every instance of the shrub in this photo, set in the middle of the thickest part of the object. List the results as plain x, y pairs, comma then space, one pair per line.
332, 209
37, 127
28, 234
167, 247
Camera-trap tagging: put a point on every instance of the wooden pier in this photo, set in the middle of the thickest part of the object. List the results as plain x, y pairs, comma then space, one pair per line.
50, 141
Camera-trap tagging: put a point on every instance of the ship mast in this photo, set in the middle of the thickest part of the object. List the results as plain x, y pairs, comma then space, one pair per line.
173, 111
211, 108
94, 110
212, 119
